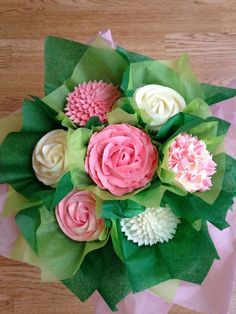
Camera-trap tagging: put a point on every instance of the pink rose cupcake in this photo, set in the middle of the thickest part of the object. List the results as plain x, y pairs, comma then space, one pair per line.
77, 217
121, 158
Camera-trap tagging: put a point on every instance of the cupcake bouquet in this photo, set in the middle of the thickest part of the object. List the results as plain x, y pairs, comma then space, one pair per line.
114, 176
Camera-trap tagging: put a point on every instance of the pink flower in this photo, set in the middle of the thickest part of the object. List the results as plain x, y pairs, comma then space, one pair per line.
121, 158
191, 162
91, 99
77, 217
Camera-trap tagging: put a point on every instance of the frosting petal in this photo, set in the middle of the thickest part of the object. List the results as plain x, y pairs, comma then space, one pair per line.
49, 157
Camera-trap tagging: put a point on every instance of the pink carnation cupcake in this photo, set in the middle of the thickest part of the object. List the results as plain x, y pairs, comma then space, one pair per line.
192, 163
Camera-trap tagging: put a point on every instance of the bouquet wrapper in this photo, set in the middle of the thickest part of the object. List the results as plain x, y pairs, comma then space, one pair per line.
8, 228
212, 297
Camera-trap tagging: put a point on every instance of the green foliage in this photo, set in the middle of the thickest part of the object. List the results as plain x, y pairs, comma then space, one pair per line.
215, 94
61, 57
131, 56
120, 209
53, 197
188, 256
101, 270
17, 149
162, 73
59, 254
93, 122
28, 221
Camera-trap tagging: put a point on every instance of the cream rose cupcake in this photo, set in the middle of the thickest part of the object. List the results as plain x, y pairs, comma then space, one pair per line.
49, 157
159, 102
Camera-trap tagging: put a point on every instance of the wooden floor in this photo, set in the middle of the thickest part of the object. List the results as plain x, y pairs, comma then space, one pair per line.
206, 29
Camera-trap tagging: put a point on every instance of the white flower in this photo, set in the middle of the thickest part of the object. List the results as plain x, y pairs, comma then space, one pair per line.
152, 226
159, 102
49, 157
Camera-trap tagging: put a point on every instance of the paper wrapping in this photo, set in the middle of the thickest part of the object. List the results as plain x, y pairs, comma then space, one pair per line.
213, 296
8, 228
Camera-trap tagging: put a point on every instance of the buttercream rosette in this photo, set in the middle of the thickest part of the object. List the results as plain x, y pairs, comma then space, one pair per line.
121, 158
50, 157
159, 102
77, 217
117, 174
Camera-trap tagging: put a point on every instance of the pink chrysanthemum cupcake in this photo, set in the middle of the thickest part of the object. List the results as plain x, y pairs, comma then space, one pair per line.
91, 99
192, 163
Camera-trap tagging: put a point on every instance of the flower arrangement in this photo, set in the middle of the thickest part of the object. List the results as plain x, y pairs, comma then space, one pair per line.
115, 175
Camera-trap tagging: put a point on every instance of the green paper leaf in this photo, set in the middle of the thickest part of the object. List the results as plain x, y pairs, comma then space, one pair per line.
229, 180
193, 208
152, 195
190, 254
28, 221
59, 254
57, 99
93, 122
120, 116
188, 123
223, 125
77, 148
215, 94
82, 180
10, 123
63, 188
65, 121
87, 279
120, 209
114, 285
134, 115
53, 197
61, 57
178, 123
46, 197
100, 270
205, 130
131, 56
15, 201
127, 104
183, 68
17, 148
115, 240
177, 75
199, 108
145, 264
100, 62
